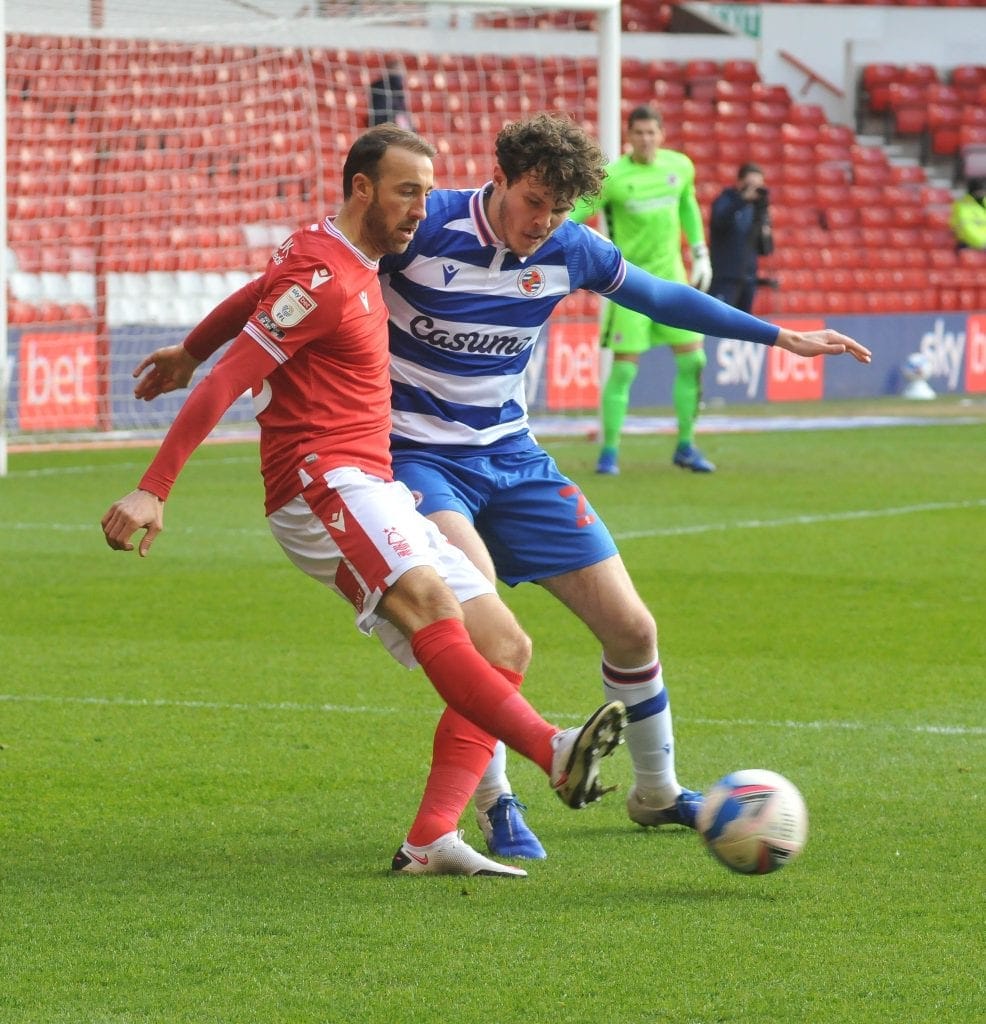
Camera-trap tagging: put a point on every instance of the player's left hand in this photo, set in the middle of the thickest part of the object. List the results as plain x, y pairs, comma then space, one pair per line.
701, 276
821, 343
164, 370
138, 510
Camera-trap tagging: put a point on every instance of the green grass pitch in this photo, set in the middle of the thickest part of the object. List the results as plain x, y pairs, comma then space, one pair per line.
204, 769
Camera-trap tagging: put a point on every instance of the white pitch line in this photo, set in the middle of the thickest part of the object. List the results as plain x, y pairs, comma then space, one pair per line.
802, 520
137, 467
346, 709
665, 531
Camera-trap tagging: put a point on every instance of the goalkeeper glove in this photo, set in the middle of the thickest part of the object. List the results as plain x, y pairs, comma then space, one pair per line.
701, 267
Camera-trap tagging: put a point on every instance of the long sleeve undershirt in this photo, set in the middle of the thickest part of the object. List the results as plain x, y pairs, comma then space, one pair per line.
679, 305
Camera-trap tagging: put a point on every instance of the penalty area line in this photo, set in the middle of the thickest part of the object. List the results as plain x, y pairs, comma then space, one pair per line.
368, 709
801, 520
667, 531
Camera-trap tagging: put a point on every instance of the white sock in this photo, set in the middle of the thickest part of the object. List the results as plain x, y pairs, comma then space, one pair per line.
649, 735
494, 782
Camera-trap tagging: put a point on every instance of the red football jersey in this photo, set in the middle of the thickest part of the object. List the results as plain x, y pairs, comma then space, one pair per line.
314, 353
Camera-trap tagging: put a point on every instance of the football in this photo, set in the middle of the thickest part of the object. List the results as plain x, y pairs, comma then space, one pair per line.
753, 821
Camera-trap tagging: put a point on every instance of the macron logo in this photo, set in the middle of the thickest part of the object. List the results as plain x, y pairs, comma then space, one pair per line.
338, 521
449, 270
365, 301
320, 276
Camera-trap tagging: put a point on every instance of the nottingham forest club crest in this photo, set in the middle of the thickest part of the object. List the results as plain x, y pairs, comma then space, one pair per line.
531, 282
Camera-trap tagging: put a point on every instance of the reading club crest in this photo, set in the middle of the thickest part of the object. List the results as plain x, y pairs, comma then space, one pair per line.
531, 282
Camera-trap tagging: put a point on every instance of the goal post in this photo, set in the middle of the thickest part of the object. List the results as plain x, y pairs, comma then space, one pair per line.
157, 153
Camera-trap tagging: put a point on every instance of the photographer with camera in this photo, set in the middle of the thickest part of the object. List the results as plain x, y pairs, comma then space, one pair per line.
739, 234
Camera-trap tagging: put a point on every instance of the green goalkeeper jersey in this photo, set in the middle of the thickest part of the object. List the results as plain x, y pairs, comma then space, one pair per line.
647, 207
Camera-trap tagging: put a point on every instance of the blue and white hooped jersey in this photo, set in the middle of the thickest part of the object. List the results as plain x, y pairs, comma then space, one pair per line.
465, 313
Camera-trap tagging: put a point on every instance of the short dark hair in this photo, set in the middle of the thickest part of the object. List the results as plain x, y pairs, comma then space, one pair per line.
558, 152
367, 151
746, 169
976, 185
644, 113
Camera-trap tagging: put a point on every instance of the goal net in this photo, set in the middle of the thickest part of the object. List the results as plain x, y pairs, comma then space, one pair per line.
157, 153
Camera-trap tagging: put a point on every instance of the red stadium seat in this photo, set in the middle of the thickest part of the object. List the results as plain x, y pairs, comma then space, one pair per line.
732, 153
850, 239
766, 152
806, 113
902, 196
902, 239
696, 70
870, 174
665, 70
909, 120
868, 155
832, 172
877, 216
832, 153
910, 216
797, 153
729, 129
795, 173
836, 133
907, 107
740, 71
763, 112
861, 195
907, 173
698, 110
873, 238
763, 132
736, 112
831, 197
918, 74
943, 128
770, 93
839, 216
805, 134
734, 92
875, 80
794, 195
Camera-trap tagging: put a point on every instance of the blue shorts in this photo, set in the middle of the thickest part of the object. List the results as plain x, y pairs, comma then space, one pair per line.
535, 521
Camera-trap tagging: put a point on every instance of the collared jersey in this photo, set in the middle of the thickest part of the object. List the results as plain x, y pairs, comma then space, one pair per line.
314, 354
647, 206
465, 314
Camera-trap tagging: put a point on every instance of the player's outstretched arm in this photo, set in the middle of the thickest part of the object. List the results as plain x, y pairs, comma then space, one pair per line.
166, 369
821, 343
138, 510
668, 302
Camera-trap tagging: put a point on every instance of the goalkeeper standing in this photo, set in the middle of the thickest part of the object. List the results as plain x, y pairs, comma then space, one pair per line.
648, 199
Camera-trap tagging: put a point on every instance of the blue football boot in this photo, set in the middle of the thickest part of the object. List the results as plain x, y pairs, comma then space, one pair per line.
689, 457
607, 462
681, 812
506, 832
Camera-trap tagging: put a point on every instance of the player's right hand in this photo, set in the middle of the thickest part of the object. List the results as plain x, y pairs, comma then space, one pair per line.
138, 510
167, 369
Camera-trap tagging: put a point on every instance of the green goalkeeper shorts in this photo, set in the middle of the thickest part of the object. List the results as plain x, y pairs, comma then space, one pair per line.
631, 333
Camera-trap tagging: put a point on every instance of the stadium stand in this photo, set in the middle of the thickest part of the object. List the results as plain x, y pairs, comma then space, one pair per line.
838, 198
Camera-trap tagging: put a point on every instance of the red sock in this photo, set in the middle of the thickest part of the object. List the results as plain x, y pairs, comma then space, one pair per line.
460, 755
470, 685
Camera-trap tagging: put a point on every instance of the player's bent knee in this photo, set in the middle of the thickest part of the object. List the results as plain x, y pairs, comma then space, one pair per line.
497, 634
632, 637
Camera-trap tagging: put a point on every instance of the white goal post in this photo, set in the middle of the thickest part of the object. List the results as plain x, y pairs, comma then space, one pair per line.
156, 153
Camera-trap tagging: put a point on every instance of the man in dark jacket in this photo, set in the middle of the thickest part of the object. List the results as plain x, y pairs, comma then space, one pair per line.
739, 233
